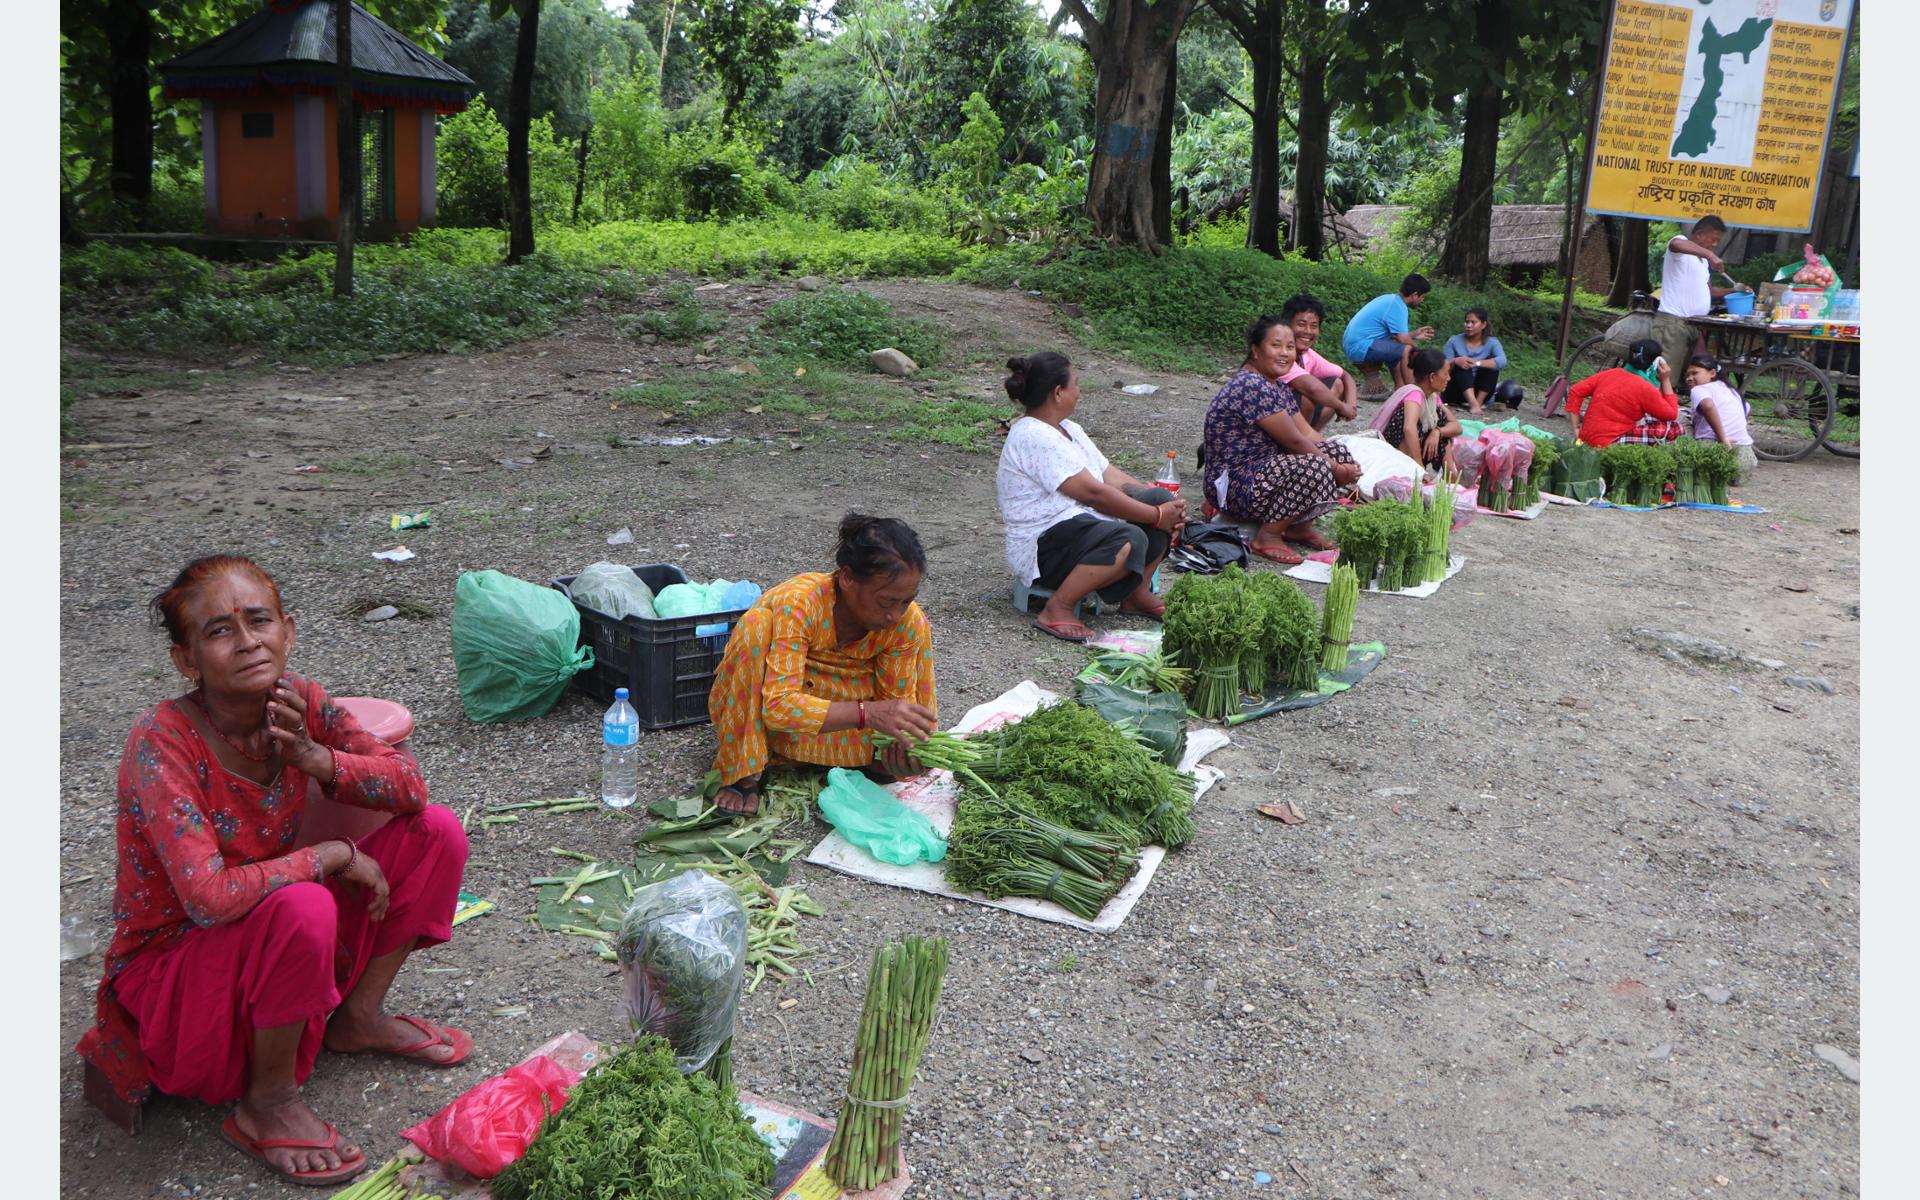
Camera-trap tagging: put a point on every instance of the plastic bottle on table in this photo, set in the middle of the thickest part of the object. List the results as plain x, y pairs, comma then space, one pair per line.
619, 759
1169, 478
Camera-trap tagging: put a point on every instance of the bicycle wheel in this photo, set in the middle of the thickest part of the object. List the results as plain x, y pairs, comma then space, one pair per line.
1591, 357
1792, 408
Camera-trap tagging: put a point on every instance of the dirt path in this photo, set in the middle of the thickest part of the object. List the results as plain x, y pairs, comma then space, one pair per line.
1567, 917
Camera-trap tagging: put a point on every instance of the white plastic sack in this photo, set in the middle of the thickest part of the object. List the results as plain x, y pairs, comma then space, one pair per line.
1378, 461
614, 590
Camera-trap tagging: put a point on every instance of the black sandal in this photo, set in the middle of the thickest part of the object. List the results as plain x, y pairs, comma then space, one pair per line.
749, 792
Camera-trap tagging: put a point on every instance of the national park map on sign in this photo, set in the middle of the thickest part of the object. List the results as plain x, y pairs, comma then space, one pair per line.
1718, 106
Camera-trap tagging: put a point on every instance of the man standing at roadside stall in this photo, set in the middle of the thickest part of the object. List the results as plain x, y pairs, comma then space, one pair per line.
1378, 336
1687, 269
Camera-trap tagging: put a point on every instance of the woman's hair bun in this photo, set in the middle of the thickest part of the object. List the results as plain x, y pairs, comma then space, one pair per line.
1016, 381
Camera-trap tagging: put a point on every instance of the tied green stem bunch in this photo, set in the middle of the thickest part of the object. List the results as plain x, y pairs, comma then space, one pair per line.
1210, 628
1142, 672
903, 990
383, 1184
1636, 474
637, 1128
1381, 538
1092, 775
942, 750
1002, 846
1439, 529
1290, 633
1336, 625
1702, 471
1546, 456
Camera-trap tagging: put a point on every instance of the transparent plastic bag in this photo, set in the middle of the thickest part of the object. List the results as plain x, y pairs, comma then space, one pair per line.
614, 590
1468, 458
682, 950
1394, 488
873, 819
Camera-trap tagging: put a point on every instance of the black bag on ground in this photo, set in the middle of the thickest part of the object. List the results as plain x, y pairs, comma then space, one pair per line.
1209, 547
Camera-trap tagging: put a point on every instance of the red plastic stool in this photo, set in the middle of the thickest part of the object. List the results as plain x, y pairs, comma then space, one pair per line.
392, 724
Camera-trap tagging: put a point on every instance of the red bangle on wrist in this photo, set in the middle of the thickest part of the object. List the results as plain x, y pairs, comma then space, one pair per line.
863, 714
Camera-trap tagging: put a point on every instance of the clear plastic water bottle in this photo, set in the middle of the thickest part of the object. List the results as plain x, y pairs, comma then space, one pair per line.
620, 757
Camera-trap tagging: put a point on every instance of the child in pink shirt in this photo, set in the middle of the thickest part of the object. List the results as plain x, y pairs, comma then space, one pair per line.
1719, 414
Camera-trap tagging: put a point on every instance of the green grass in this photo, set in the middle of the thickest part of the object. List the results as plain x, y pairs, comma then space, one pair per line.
1188, 310
839, 398
367, 464
844, 326
683, 320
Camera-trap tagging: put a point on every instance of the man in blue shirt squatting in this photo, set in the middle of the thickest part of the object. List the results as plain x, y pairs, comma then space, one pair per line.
1377, 335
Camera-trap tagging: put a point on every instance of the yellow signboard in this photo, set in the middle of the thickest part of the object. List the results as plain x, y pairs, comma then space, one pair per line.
1718, 106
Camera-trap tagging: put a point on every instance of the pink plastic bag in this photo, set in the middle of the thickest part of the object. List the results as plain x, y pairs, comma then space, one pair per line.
489, 1126
1522, 459
1397, 487
1468, 458
1500, 462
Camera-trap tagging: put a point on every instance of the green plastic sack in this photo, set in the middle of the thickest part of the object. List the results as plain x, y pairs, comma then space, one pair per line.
515, 646
1158, 718
691, 599
873, 819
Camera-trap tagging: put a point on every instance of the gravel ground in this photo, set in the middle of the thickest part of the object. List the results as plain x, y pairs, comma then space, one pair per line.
1568, 916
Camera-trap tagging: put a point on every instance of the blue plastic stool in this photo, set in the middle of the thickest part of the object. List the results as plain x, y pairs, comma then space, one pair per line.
1024, 596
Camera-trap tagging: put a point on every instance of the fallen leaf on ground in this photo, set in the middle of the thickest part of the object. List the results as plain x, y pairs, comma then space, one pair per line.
1283, 812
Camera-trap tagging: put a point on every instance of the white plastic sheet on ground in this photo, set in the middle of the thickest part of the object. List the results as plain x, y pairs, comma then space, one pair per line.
935, 794
1315, 571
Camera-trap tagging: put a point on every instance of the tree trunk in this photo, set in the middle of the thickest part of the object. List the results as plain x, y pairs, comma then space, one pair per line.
346, 139
1263, 218
129, 47
1129, 186
1464, 256
1163, 156
1310, 158
1630, 268
580, 172
519, 123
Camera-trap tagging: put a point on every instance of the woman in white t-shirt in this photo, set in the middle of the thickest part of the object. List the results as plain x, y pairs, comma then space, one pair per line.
1075, 522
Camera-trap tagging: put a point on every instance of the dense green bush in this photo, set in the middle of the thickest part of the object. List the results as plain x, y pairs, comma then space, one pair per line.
1190, 308
683, 320
843, 326
855, 194
781, 245
167, 276
412, 305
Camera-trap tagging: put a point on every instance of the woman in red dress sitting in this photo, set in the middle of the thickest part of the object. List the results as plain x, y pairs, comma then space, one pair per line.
235, 956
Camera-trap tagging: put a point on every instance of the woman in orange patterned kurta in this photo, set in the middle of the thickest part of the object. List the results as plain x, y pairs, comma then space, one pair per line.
824, 659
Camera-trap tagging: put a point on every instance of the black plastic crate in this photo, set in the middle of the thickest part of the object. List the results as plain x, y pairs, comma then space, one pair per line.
665, 666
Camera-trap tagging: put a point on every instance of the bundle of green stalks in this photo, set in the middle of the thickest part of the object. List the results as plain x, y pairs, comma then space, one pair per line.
1291, 633
1406, 545
1361, 534
942, 750
1702, 471
638, 1129
1210, 629
383, 1184
1546, 454
903, 989
1003, 847
1336, 619
1636, 475
1439, 532
1142, 672
1092, 775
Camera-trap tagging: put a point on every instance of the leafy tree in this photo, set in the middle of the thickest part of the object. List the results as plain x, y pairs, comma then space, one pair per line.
886, 38
629, 146
1129, 190
820, 110
579, 44
676, 65
742, 44
470, 167
969, 166
346, 142
1414, 54
996, 48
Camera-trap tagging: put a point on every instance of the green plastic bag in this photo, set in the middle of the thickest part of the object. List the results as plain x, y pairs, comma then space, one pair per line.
515, 646
873, 819
1158, 718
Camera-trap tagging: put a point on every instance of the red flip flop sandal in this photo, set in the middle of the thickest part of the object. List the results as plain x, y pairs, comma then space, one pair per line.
348, 1168
1281, 554
436, 1035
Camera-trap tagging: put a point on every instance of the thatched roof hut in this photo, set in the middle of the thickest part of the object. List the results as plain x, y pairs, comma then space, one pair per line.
1524, 238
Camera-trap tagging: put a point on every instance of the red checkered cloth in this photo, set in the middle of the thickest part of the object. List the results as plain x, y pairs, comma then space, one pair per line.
1651, 431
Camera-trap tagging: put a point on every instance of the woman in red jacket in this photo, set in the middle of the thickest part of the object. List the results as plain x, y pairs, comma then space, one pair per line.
1626, 406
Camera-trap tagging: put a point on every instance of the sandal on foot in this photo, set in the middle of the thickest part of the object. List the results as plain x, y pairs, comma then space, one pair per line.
749, 799
1313, 540
1283, 554
348, 1168
435, 1035
1065, 630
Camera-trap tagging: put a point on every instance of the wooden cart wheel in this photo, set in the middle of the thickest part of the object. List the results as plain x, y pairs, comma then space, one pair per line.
1792, 408
1844, 438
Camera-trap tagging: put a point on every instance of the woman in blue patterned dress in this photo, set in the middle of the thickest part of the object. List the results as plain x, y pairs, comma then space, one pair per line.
1261, 460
